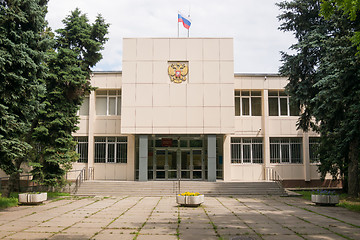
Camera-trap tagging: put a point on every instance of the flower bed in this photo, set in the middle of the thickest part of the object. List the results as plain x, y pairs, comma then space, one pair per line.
190, 199
324, 197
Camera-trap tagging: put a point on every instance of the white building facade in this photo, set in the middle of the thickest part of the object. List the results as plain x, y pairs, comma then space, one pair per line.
178, 111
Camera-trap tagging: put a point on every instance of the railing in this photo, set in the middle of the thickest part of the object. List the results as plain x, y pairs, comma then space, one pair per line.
272, 175
90, 175
80, 178
28, 181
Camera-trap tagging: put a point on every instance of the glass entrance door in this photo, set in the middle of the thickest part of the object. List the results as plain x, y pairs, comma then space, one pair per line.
160, 159
172, 172
185, 164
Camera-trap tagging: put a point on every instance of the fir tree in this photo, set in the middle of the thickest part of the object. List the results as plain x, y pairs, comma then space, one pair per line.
22, 53
324, 78
77, 49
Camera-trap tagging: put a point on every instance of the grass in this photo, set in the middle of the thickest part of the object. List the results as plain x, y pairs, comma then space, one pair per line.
8, 202
12, 201
350, 203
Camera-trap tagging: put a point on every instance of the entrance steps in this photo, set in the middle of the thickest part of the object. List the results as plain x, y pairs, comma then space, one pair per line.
168, 188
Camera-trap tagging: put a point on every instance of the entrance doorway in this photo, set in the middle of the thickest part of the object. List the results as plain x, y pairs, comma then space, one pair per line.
175, 163
174, 157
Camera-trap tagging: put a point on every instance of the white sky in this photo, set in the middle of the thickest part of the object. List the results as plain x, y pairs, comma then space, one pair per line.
252, 24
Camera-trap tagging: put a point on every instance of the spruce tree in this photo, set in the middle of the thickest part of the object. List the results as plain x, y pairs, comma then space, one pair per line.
22, 53
77, 49
324, 78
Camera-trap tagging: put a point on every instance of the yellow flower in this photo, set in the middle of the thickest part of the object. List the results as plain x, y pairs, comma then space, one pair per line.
190, 194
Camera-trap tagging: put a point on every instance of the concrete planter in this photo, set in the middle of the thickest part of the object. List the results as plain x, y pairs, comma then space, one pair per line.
190, 201
325, 199
32, 198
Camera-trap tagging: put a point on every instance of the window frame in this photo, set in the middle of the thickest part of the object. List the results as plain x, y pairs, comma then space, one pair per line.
281, 95
249, 97
115, 144
108, 96
241, 143
86, 98
313, 147
82, 142
285, 146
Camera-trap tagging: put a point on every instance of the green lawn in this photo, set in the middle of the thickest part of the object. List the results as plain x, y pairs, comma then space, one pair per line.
352, 204
12, 201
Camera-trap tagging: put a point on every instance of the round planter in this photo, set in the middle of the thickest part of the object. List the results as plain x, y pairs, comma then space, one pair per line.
190, 201
325, 199
32, 198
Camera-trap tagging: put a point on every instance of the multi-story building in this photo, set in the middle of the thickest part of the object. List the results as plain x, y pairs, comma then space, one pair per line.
177, 110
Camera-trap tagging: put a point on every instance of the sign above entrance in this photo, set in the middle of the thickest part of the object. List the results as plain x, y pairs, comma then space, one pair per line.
178, 71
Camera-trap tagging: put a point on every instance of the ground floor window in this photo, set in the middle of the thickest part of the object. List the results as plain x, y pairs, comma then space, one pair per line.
246, 150
82, 148
110, 150
285, 150
313, 149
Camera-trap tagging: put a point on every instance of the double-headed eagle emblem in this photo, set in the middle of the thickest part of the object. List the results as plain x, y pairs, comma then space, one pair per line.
177, 72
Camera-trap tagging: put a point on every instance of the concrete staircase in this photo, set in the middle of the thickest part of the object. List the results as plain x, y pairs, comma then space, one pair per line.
168, 188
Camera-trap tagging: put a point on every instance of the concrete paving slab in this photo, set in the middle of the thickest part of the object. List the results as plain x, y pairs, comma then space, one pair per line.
156, 237
277, 237
44, 229
29, 235
273, 217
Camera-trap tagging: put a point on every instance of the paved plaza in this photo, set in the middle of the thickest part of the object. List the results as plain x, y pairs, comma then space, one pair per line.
129, 217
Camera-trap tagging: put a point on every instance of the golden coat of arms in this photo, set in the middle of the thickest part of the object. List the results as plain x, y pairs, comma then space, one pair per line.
177, 72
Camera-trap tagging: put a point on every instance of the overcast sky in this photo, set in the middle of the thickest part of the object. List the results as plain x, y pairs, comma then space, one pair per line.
252, 24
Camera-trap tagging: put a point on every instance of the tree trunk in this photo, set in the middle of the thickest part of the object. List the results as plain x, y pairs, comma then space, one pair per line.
353, 169
10, 185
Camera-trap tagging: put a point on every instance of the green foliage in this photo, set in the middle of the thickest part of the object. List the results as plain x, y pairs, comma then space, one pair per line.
349, 8
22, 52
77, 49
8, 202
324, 78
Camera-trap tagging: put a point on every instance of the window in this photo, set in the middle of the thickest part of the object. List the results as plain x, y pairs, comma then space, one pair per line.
285, 150
313, 149
82, 148
247, 103
84, 108
280, 104
110, 150
108, 102
246, 150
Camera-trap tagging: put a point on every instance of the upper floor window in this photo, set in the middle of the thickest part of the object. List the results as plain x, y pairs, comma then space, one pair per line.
246, 150
108, 102
280, 105
82, 148
84, 108
247, 103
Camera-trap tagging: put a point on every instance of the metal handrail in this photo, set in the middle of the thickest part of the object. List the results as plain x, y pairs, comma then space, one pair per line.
90, 173
272, 175
80, 178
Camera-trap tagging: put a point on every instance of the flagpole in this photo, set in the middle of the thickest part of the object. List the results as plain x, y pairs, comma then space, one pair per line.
178, 23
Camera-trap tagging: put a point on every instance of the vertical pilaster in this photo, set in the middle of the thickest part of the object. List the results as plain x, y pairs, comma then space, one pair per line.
211, 158
91, 144
265, 130
306, 156
130, 169
143, 158
227, 158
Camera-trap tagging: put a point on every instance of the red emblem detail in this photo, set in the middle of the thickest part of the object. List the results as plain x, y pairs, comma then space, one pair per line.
177, 73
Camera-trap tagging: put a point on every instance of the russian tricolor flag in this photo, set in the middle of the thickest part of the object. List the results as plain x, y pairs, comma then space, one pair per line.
185, 20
